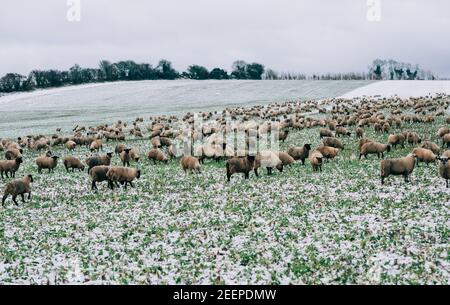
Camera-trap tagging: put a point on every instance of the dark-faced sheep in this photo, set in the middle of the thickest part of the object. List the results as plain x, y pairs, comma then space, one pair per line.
401, 166
446, 140
444, 169
431, 146
190, 163
98, 174
396, 139
240, 165
10, 166
333, 142
300, 153
98, 160
45, 162
13, 153
328, 152
18, 187
123, 175
374, 148
71, 162
269, 160
316, 158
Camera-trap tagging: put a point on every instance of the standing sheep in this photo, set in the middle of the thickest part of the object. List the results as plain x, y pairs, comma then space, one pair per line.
316, 158
300, 153
13, 153
10, 166
333, 142
98, 160
73, 163
124, 175
374, 148
401, 166
240, 165
18, 187
46, 162
269, 160
98, 174
125, 157
444, 169
424, 155
96, 145
156, 154
190, 163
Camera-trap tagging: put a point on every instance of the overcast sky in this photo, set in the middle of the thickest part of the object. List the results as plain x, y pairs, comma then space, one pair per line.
287, 35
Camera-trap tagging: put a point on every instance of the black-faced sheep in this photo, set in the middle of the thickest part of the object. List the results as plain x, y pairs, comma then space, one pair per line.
123, 175
18, 187
300, 153
98, 160
316, 158
98, 174
45, 162
401, 166
374, 148
240, 165
10, 166
444, 169
73, 163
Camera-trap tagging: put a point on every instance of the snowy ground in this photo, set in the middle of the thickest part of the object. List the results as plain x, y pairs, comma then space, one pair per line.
401, 88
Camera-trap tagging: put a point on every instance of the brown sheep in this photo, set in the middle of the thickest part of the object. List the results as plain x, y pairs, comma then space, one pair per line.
424, 155
363, 141
282, 135
401, 166
342, 131
240, 165
10, 166
157, 155
18, 187
98, 174
13, 153
70, 145
324, 132
119, 148
285, 158
316, 158
125, 156
123, 175
374, 148
98, 160
190, 163
332, 142
134, 154
396, 139
359, 132
96, 145
73, 163
300, 153
444, 169
413, 138
46, 162
446, 140
328, 152
431, 146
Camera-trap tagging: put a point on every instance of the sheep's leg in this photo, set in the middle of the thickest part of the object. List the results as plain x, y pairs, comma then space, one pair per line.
256, 172
3, 199
131, 184
93, 185
446, 183
14, 199
360, 155
303, 161
382, 180
23, 197
6, 173
29, 196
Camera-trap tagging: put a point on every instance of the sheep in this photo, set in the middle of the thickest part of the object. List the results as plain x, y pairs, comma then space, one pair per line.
73, 163
333, 142
98, 174
190, 163
315, 158
98, 160
443, 131
328, 152
446, 154
269, 160
10, 166
156, 154
444, 169
13, 153
165, 141
424, 155
156, 142
119, 148
342, 131
374, 148
282, 135
325, 132
125, 156
359, 132
363, 141
70, 145
400, 166
46, 162
300, 153
413, 138
446, 140
134, 154
96, 145
240, 165
396, 139
285, 158
124, 175
431, 146
18, 187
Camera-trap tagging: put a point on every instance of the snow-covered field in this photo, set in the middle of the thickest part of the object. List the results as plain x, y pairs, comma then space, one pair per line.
401, 88
45, 110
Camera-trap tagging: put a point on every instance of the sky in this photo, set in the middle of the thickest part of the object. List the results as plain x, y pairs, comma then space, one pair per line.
307, 36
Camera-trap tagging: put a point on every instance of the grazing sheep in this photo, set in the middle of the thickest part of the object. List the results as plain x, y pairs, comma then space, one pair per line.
300, 153
124, 175
374, 148
44, 162
431, 146
98, 174
18, 187
98, 160
342, 131
424, 155
413, 138
156, 154
156, 142
125, 156
96, 145
119, 148
333, 142
73, 163
325, 132
165, 141
282, 135
316, 158
70, 145
400, 166
269, 160
359, 132
190, 163
240, 165
328, 152
363, 141
13, 153
446, 140
134, 154
443, 131
444, 169
446, 154
285, 158
396, 139
10, 166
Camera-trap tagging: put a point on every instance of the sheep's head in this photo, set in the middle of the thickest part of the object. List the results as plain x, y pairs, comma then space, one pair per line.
109, 154
19, 160
389, 148
30, 177
55, 157
443, 160
307, 146
138, 175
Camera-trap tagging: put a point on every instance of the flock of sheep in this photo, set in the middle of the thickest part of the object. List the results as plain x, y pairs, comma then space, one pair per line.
172, 137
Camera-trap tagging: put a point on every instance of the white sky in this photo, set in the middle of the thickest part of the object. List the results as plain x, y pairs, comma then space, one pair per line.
287, 35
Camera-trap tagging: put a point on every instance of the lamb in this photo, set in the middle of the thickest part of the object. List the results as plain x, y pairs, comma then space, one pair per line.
413, 138
374, 148
10, 166
156, 154
282, 135
396, 139
342, 131
18, 187
332, 142
315, 158
134, 154
119, 148
46, 162
98, 160
328, 152
325, 132
98, 174
269, 160
125, 157
73, 163
70, 145
13, 153
190, 163
359, 132
240, 165
285, 158
444, 169
96, 145
124, 175
400, 166
300, 153
424, 155
431, 146
446, 140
